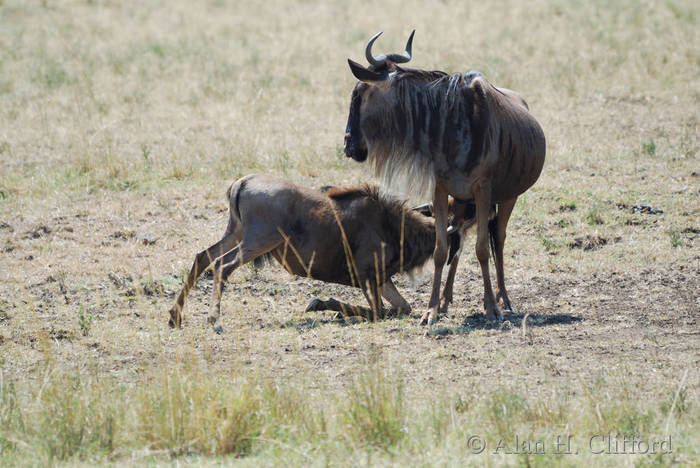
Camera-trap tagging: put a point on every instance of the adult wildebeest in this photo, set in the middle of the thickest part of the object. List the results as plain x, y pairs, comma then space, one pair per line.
354, 236
451, 135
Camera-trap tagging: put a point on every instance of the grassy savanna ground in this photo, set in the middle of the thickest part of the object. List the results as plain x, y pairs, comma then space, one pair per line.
121, 123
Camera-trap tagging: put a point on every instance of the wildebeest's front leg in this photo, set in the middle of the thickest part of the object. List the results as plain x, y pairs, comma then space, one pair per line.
374, 299
372, 292
345, 309
398, 303
483, 209
389, 292
504, 211
440, 255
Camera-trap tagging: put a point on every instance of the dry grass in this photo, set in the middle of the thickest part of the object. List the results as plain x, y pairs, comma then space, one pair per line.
119, 120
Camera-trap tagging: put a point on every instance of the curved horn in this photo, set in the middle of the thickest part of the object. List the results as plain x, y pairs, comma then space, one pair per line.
368, 52
406, 56
424, 206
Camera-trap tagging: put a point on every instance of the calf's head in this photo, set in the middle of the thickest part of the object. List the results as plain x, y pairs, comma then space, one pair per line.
459, 213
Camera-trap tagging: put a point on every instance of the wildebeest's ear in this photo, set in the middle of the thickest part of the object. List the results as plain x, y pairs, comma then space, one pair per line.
368, 76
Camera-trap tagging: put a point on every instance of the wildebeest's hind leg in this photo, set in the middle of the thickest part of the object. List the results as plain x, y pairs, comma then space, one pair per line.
243, 253
483, 209
202, 260
497, 232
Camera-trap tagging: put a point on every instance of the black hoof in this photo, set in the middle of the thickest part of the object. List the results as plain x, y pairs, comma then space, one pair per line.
313, 305
171, 323
429, 320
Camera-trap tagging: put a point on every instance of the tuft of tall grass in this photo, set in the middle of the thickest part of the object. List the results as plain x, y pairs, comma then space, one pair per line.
503, 408
66, 417
374, 413
186, 411
594, 216
619, 413
289, 419
10, 416
189, 413
649, 148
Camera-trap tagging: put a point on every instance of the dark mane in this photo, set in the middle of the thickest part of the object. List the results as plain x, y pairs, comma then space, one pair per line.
439, 83
434, 77
354, 191
420, 76
430, 113
387, 202
398, 221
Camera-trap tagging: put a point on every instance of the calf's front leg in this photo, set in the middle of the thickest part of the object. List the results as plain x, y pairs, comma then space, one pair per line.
389, 292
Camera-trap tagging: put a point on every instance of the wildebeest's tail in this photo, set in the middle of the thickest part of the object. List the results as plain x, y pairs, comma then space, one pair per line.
263, 260
493, 236
233, 194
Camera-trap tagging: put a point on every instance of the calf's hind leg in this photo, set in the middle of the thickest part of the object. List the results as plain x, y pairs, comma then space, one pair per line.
225, 265
202, 260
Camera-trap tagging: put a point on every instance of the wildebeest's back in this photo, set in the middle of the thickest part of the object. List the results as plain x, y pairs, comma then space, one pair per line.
518, 139
300, 220
305, 225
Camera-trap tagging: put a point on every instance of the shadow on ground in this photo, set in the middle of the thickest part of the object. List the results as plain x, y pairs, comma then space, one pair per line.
471, 323
336, 319
510, 320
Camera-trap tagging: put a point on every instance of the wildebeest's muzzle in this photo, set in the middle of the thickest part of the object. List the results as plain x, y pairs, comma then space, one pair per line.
353, 149
354, 145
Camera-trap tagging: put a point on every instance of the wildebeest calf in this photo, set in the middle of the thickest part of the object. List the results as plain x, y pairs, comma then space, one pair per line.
353, 236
